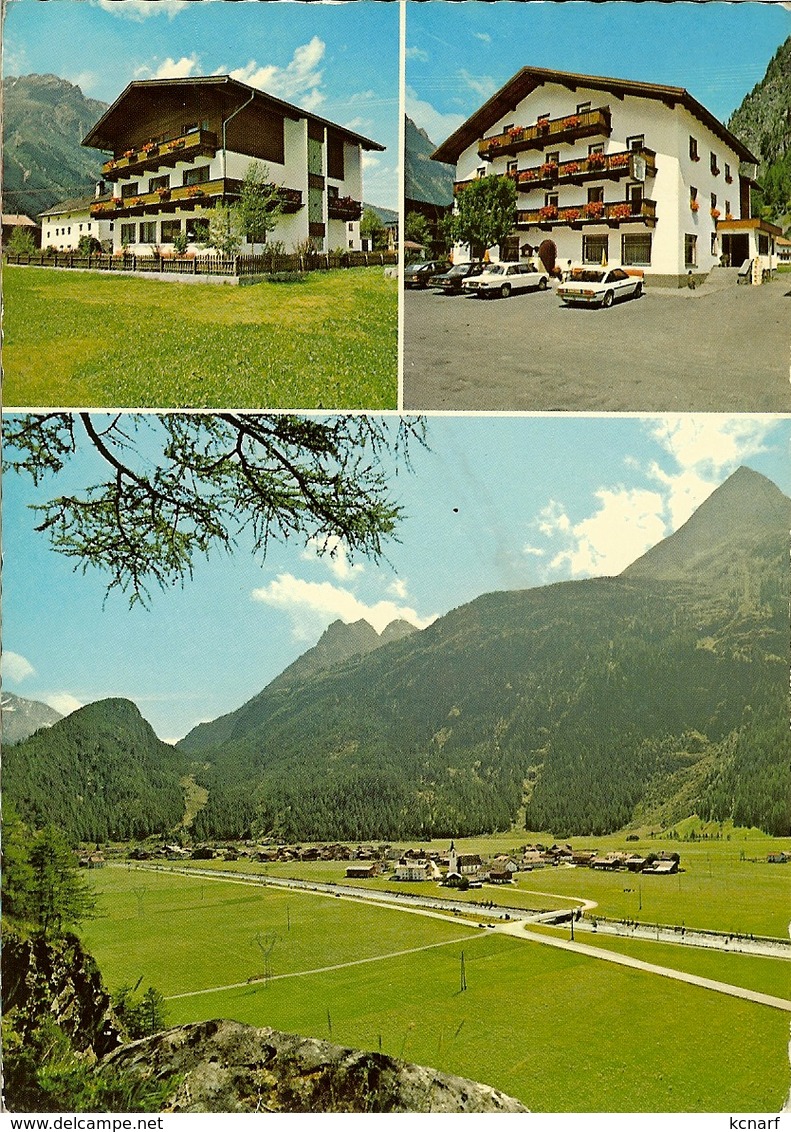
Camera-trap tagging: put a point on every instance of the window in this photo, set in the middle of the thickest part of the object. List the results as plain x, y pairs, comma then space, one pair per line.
350, 227
715, 169
193, 127
553, 157
81, 227
728, 176
727, 208
480, 172
636, 142
714, 246
551, 200
595, 193
162, 182
128, 233
335, 156
597, 147
170, 229
148, 232
130, 190
542, 118
583, 107
713, 200
693, 149
690, 250
693, 192
594, 249
634, 193
332, 193
763, 244
511, 168
197, 176
636, 250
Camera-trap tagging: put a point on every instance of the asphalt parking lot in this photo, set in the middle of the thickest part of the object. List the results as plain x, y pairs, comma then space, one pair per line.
723, 351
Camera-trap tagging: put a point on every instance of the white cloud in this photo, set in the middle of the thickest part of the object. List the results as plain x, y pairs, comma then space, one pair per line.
62, 702
333, 553
417, 53
305, 602
483, 36
16, 667
627, 523
483, 85
298, 81
171, 68
437, 125
370, 160
553, 520
533, 551
398, 588
706, 449
139, 10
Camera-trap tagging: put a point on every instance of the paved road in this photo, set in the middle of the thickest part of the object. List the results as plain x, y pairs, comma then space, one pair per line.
723, 351
514, 928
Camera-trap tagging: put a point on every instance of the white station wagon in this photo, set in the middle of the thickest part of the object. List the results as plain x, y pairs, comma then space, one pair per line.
599, 286
504, 278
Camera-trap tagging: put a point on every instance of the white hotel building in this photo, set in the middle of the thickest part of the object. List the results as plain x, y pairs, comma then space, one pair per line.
611, 170
181, 146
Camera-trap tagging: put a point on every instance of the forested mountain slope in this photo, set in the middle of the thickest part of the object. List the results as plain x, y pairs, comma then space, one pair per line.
99, 773
592, 704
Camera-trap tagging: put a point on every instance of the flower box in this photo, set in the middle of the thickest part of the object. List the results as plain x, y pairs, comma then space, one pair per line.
528, 175
594, 209
715, 214
619, 160
194, 191
570, 168
571, 122
596, 161
129, 154
694, 206
570, 214
548, 212
621, 211
163, 193
549, 169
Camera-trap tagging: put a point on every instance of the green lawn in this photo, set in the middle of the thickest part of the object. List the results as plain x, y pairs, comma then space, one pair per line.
91, 339
559, 1030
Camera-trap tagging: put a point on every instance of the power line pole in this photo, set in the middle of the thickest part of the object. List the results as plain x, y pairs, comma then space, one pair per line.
463, 974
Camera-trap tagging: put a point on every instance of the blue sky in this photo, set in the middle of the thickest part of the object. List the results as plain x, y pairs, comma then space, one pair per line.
338, 60
460, 54
496, 503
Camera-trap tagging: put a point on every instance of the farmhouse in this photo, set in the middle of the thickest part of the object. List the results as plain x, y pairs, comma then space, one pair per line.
64, 224
13, 220
613, 171
181, 146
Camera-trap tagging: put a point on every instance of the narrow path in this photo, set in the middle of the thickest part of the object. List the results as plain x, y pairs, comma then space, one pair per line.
519, 932
514, 928
323, 970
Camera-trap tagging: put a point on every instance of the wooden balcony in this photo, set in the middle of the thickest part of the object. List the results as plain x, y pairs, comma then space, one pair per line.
595, 167
613, 214
168, 200
552, 131
146, 159
344, 208
184, 197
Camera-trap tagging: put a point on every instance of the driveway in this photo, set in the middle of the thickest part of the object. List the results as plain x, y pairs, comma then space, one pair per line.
671, 350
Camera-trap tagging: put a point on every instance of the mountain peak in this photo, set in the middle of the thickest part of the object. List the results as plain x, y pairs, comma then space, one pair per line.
744, 510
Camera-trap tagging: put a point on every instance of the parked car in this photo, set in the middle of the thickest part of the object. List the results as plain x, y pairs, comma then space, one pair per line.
504, 278
420, 274
599, 286
451, 282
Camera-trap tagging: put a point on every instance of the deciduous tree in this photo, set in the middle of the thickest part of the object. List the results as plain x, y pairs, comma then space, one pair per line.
260, 206
485, 212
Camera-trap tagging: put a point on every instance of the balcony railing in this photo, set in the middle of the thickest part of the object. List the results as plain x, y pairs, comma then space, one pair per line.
167, 200
595, 167
550, 131
344, 208
594, 212
185, 196
199, 143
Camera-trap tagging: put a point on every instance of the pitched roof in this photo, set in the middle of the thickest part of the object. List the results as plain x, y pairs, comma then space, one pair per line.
18, 220
75, 204
528, 79
120, 111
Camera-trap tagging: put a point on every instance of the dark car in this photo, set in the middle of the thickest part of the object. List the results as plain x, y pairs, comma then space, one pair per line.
452, 280
420, 274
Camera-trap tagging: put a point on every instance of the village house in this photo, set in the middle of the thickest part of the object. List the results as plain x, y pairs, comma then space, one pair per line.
64, 224
14, 220
362, 871
181, 146
409, 869
614, 171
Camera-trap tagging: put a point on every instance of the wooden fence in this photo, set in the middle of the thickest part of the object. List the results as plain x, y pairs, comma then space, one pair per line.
233, 266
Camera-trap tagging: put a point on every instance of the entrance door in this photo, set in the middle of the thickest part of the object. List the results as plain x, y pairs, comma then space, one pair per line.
736, 246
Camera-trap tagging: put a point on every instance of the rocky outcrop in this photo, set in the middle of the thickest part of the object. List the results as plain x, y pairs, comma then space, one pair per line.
223, 1066
58, 979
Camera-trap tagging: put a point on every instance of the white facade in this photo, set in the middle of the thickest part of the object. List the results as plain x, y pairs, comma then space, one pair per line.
63, 225
668, 172
163, 187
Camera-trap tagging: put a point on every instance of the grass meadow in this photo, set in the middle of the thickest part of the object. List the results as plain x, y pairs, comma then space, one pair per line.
84, 339
558, 1030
